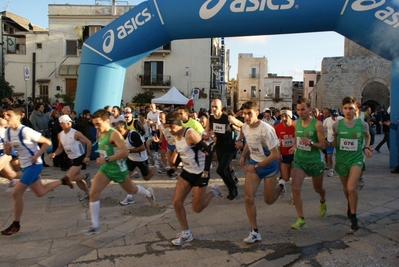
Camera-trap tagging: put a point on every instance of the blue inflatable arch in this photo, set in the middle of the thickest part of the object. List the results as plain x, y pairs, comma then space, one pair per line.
374, 24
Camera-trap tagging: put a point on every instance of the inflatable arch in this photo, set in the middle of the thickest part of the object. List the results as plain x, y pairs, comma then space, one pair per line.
374, 24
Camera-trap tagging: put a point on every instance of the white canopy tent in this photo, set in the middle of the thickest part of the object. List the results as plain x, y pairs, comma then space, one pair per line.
173, 96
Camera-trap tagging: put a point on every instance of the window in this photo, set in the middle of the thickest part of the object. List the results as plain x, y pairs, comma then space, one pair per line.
253, 91
311, 83
90, 30
277, 91
71, 47
39, 45
43, 89
153, 72
253, 73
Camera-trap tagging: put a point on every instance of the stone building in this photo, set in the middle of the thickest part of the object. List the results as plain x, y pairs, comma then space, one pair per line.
360, 73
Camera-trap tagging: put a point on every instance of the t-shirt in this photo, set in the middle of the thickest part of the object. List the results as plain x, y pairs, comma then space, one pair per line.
260, 140
194, 125
112, 119
328, 127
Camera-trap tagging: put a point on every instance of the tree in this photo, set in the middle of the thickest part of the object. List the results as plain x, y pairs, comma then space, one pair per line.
6, 89
143, 98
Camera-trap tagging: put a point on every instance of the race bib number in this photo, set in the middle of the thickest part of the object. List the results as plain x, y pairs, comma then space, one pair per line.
256, 150
300, 145
219, 128
287, 142
348, 144
102, 153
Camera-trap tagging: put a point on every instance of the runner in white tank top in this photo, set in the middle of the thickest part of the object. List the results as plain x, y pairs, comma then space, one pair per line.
196, 158
73, 143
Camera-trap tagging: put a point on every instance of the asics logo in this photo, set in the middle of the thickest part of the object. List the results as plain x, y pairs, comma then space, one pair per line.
208, 11
122, 31
364, 5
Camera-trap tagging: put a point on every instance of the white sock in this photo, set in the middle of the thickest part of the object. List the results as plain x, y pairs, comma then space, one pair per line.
129, 196
95, 213
186, 232
142, 191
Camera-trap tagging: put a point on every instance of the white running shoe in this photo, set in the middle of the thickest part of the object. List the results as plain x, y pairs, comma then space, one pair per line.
136, 174
127, 201
330, 173
216, 191
253, 237
181, 239
360, 184
91, 231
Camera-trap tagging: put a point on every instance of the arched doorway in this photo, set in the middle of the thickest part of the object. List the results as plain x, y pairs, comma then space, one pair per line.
375, 95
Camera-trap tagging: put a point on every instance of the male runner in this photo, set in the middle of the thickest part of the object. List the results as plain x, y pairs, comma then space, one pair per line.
113, 152
308, 159
261, 148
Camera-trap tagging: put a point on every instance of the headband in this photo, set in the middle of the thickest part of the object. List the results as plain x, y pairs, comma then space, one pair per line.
173, 122
287, 111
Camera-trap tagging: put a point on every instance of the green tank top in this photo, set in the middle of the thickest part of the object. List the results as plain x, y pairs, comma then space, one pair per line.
305, 153
106, 149
349, 142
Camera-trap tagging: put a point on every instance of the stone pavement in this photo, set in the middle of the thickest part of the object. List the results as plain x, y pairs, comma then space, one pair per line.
139, 234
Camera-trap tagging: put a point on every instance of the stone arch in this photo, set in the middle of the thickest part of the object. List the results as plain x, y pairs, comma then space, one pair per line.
376, 95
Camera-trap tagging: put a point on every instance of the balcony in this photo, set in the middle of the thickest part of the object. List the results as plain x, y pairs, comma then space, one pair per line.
159, 81
163, 50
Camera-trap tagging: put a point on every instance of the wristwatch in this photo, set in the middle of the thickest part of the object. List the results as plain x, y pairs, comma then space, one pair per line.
311, 143
106, 159
256, 166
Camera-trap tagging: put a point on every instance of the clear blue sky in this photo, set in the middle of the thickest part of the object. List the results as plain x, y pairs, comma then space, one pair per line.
287, 55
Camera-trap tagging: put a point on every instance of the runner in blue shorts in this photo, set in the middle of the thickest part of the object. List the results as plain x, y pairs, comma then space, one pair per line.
261, 149
25, 142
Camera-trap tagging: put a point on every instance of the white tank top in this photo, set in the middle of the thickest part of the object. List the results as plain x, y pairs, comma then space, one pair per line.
140, 156
193, 160
73, 148
167, 135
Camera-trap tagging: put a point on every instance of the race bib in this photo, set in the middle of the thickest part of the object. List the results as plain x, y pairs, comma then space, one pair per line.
287, 142
256, 150
102, 153
300, 145
348, 144
219, 128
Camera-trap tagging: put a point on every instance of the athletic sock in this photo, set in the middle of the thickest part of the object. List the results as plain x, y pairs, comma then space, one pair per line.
142, 191
95, 212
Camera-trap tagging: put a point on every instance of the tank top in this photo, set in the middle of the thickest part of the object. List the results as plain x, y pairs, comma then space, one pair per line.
305, 153
167, 135
286, 135
193, 160
73, 148
106, 149
223, 132
138, 156
350, 142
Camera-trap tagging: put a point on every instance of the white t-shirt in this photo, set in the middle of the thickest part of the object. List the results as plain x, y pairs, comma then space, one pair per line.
112, 119
328, 127
260, 140
154, 117
28, 147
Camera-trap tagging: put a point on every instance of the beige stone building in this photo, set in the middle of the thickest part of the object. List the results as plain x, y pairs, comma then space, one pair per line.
360, 73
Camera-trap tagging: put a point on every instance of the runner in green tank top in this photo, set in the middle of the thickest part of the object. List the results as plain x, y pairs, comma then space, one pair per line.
113, 153
351, 139
308, 159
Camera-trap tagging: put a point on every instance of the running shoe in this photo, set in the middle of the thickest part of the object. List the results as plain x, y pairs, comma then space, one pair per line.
360, 184
281, 184
91, 231
151, 199
127, 201
85, 197
354, 226
11, 186
88, 180
322, 209
162, 170
216, 191
330, 173
299, 224
174, 176
181, 239
136, 174
252, 238
12, 229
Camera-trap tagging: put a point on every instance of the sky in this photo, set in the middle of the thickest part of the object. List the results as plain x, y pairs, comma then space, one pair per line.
287, 55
